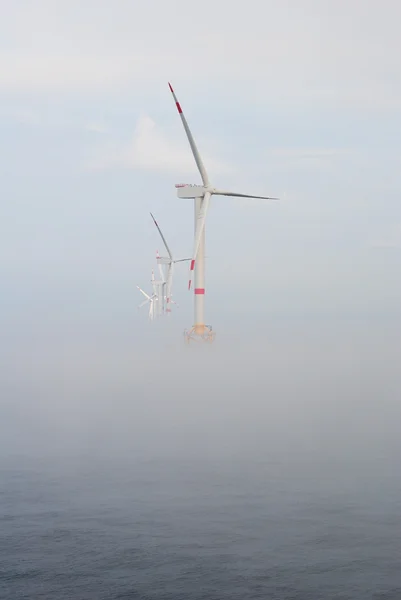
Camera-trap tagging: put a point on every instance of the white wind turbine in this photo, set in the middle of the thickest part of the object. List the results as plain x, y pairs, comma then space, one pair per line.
156, 300
201, 194
148, 300
169, 261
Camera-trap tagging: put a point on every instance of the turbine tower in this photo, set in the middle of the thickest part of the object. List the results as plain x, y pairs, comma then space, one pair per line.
201, 194
158, 291
169, 262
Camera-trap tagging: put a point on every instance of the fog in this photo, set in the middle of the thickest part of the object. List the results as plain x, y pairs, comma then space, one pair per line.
325, 394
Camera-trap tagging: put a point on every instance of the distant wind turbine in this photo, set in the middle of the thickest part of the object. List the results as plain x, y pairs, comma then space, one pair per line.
149, 300
169, 261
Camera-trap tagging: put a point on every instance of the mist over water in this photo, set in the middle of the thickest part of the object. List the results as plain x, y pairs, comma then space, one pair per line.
330, 391
266, 465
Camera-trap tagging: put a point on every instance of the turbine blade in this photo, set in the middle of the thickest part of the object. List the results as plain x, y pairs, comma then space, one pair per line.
182, 260
200, 225
162, 237
191, 141
142, 292
143, 303
223, 193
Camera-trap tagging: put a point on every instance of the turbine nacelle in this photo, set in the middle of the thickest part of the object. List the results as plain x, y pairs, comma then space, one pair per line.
189, 191
164, 260
192, 191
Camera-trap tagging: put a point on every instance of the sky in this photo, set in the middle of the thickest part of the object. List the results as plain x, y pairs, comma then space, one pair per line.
296, 100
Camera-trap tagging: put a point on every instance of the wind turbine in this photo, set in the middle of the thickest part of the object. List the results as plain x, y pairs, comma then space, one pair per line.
149, 300
155, 301
201, 194
169, 261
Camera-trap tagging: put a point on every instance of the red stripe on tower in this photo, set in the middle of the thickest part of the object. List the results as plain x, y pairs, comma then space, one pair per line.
192, 265
199, 290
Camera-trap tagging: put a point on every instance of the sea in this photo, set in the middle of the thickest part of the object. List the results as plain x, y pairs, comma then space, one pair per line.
236, 526
267, 474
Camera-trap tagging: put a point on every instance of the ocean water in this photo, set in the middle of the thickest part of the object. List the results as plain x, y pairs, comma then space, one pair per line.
275, 477
235, 526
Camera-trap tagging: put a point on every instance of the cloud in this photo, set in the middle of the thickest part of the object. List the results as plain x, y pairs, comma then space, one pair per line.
151, 149
20, 115
287, 51
46, 73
